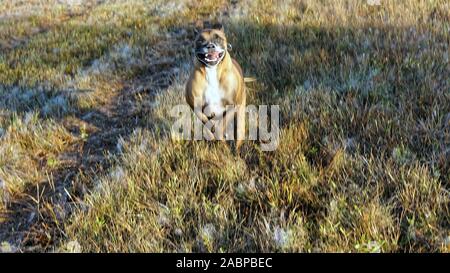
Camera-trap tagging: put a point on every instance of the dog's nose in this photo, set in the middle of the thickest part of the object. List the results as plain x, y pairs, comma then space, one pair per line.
211, 46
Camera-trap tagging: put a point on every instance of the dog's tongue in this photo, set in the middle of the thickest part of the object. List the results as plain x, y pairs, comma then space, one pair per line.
213, 55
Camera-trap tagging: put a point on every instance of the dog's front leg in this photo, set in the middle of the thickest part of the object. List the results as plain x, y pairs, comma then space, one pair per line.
208, 125
224, 127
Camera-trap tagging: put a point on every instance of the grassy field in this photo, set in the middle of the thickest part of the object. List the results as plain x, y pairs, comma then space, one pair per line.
87, 161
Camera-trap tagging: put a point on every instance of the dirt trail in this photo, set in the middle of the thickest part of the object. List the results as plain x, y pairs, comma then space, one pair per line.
35, 220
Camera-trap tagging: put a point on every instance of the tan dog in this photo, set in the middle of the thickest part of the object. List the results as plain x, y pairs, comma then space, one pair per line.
216, 83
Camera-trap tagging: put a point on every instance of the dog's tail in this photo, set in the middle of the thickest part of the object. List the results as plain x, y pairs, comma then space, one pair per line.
249, 79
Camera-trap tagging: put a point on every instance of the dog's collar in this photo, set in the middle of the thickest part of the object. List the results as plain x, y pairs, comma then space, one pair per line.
208, 65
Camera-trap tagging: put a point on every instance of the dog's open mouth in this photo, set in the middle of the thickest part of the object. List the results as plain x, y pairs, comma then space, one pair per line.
211, 57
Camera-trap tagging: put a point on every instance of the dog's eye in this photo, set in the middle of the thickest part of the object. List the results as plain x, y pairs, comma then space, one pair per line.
201, 42
218, 36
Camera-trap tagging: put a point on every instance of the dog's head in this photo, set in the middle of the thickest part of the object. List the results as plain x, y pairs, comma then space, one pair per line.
210, 44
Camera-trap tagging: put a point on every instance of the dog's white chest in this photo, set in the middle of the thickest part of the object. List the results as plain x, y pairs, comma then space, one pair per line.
213, 94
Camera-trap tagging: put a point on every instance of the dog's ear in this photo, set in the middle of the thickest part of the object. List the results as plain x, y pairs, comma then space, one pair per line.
218, 26
198, 27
